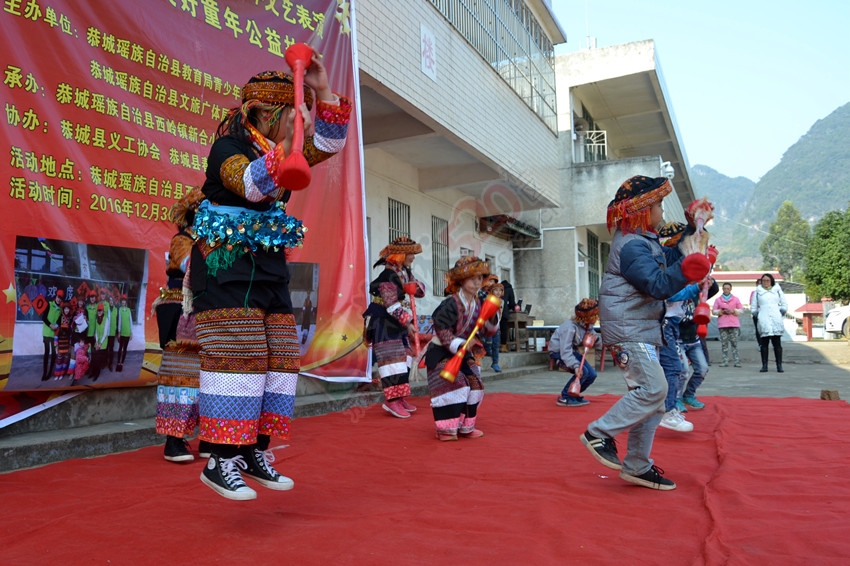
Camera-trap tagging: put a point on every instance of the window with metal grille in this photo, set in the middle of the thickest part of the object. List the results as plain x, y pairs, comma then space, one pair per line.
399, 219
593, 264
508, 36
440, 253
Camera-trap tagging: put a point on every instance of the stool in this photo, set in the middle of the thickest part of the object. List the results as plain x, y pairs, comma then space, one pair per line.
600, 354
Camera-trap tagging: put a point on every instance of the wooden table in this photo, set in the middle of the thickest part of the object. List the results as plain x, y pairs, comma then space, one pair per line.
517, 333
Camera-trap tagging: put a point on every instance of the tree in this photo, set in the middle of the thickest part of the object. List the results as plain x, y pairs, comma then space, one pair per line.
785, 246
827, 269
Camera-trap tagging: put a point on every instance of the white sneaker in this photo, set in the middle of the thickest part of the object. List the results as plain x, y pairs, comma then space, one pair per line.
674, 420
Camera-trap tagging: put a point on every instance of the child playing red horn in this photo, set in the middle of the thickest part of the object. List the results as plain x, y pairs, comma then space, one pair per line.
455, 402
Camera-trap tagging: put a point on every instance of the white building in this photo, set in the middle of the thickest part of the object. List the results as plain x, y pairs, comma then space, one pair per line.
479, 141
459, 122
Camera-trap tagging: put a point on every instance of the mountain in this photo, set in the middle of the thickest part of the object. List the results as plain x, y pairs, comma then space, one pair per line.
814, 174
737, 243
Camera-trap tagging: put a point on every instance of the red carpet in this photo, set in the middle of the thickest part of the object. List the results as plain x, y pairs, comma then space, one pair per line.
760, 481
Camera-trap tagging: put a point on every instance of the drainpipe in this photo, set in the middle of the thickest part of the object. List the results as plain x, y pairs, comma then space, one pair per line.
542, 243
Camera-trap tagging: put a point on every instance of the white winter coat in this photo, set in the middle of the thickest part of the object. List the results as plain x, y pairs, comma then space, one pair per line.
770, 306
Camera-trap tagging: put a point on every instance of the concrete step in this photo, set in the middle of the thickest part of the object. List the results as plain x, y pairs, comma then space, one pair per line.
107, 421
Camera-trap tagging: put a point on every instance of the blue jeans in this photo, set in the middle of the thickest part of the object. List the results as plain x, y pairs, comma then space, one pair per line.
492, 346
668, 355
696, 355
640, 410
588, 376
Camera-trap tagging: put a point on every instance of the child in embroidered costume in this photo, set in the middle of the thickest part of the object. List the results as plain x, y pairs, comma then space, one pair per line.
239, 277
455, 404
567, 347
390, 323
639, 275
181, 362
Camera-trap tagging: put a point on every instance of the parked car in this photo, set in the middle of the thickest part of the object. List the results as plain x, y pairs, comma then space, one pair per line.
837, 321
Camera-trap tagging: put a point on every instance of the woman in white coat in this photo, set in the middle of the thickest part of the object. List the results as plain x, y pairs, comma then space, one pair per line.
769, 306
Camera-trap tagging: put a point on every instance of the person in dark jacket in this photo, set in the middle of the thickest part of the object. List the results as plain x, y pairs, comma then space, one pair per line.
639, 276
508, 305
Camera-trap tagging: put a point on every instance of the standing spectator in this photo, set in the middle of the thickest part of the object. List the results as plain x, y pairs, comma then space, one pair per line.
245, 319
493, 344
125, 331
566, 346
390, 323
755, 317
639, 275
455, 403
50, 318
508, 306
769, 308
727, 308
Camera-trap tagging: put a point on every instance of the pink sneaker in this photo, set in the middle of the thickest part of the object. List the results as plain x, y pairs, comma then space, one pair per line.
407, 406
446, 436
396, 409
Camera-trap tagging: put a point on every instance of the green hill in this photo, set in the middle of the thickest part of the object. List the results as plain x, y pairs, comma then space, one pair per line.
814, 174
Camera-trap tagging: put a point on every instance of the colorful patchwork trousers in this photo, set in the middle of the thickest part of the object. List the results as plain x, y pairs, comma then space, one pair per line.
250, 359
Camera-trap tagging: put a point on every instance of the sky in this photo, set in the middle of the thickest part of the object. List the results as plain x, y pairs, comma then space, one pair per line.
746, 78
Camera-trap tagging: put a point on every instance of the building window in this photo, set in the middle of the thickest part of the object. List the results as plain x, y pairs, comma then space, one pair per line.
491, 263
593, 264
508, 36
399, 219
439, 253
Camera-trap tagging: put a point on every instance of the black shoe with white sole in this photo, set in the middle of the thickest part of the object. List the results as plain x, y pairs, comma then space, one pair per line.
176, 450
260, 469
603, 449
222, 476
652, 478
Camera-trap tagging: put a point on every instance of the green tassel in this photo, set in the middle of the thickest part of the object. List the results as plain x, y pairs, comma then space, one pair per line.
221, 258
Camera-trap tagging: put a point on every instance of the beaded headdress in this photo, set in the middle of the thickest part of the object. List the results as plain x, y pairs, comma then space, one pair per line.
466, 267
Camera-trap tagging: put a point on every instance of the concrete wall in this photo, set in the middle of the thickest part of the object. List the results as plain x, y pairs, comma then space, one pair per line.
469, 102
387, 177
548, 272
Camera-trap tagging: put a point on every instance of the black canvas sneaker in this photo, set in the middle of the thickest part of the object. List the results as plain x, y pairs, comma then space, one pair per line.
176, 450
222, 476
260, 469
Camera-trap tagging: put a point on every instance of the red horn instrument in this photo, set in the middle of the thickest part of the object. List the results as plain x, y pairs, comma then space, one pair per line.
702, 313
410, 288
588, 342
296, 174
489, 307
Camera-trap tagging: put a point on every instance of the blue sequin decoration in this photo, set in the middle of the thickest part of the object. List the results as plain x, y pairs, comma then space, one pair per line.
249, 230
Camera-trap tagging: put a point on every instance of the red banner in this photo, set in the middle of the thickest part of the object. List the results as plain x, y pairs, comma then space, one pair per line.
110, 110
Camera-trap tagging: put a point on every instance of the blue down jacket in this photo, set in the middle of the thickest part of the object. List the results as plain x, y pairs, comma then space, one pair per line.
640, 274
